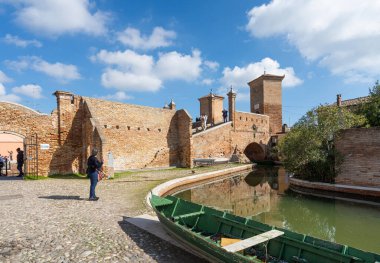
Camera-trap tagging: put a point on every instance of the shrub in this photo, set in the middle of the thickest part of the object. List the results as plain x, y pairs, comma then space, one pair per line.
308, 150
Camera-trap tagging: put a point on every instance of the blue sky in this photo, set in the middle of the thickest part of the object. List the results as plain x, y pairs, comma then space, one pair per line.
147, 52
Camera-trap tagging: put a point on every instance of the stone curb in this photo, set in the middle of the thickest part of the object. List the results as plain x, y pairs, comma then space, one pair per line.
360, 190
177, 184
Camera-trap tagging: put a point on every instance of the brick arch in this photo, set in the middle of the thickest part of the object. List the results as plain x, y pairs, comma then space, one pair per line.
254, 152
12, 133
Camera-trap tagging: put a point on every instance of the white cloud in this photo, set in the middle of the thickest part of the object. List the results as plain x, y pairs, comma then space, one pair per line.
342, 35
159, 38
118, 96
174, 65
15, 40
127, 60
238, 77
29, 90
4, 78
61, 72
57, 17
207, 81
122, 80
243, 96
129, 70
213, 65
7, 97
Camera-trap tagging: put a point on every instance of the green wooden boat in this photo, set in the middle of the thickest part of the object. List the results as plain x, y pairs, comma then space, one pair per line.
203, 229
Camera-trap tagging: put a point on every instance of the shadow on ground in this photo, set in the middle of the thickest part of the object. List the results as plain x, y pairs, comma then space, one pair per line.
9, 178
63, 197
160, 250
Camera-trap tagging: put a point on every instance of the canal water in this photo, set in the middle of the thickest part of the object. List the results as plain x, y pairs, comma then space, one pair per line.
263, 195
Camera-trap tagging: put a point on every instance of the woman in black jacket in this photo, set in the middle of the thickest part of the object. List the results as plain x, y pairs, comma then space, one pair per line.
93, 164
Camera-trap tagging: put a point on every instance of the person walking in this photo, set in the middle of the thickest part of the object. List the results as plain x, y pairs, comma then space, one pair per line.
93, 164
20, 162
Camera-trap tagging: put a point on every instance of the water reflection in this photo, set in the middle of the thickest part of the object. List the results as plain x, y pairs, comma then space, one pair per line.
262, 195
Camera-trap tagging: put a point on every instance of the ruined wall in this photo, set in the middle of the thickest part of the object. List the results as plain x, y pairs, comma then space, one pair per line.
360, 148
22, 121
138, 136
222, 140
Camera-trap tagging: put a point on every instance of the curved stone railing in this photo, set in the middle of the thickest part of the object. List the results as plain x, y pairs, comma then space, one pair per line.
179, 184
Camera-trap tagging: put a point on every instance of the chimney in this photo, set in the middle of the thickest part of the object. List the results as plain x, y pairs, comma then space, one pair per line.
339, 100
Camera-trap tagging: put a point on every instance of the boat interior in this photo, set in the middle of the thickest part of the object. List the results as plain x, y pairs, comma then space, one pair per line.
221, 230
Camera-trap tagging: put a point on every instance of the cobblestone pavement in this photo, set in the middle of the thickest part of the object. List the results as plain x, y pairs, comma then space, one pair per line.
52, 221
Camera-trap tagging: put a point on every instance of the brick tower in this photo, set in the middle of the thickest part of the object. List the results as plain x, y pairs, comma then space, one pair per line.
266, 98
212, 106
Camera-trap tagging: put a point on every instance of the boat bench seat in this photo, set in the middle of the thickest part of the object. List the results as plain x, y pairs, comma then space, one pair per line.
252, 241
188, 215
162, 202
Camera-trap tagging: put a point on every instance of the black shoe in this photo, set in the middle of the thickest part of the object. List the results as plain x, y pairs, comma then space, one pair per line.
93, 199
19, 175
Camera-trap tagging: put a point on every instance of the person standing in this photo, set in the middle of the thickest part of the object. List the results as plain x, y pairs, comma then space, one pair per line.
20, 162
205, 122
2, 163
93, 164
224, 111
202, 119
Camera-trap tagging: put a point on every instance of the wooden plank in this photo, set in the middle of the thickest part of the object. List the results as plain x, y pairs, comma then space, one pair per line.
252, 241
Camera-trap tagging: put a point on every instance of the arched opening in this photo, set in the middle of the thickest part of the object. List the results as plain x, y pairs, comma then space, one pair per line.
254, 152
9, 142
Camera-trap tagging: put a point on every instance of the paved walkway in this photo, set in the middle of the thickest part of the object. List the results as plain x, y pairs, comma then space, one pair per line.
52, 221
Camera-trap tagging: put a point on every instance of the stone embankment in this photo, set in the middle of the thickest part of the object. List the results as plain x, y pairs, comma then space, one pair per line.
337, 191
52, 221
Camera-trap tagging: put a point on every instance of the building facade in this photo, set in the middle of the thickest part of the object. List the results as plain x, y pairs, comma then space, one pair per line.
132, 136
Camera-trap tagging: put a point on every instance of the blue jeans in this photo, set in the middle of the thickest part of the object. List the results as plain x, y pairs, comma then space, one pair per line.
94, 181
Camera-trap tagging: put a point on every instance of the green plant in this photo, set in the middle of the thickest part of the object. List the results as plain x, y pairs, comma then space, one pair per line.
68, 176
371, 109
308, 150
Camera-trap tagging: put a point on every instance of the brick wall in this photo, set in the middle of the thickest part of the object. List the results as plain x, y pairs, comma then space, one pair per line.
221, 141
69, 155
360, 148
184, 138
22, 121
214, 142
139, 136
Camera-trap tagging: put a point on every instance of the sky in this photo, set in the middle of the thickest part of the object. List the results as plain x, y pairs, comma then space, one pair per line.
149, 52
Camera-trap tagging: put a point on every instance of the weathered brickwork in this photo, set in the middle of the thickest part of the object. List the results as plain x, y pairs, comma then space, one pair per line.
21, 121
132, 136
360, 148
139, 136
266, 98
212, 106
223, 140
